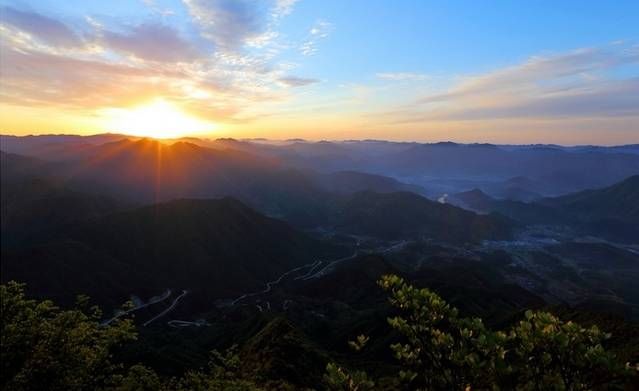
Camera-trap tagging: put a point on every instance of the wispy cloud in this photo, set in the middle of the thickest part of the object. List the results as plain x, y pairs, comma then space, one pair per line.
543, 73
575, 84
41, 27
283, 8
156, 8
227, 23
320, 30
152, 41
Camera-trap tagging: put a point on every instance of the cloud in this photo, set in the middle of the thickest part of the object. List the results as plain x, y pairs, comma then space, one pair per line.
283, 8
234, 24
154, 7
584, 83
209, 89
320, 30
603, 99
36, 78
541, 73
154, 42
401, 76
227, 23
43, 28
116, 66
308, 48
293, 81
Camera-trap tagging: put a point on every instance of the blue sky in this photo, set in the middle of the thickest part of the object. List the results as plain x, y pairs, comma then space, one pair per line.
460, 36
498, 71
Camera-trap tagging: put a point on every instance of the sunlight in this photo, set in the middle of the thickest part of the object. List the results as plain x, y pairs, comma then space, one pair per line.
158, 119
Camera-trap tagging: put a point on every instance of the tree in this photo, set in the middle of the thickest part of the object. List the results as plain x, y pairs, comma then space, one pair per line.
339, 379
224, 373
547, 353
141, 378
44, 347
443, 351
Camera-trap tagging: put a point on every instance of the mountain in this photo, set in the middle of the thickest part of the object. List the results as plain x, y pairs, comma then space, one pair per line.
33, 207
611, 212
561, 170
214, 248
147, 171
353, 282
56, 147
17, 167
549, 170
620, 201
523, 212
402, 215
628, 148
133, 218
345, 182
281, 351
517, 194
65, 268
34, 201
518, 188
475, 199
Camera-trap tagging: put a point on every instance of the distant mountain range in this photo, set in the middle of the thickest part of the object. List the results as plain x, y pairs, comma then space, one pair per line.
555, 169
145, 171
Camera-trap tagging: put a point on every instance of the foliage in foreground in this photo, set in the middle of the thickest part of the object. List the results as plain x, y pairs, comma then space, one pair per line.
46, 348
442, 351
43, 347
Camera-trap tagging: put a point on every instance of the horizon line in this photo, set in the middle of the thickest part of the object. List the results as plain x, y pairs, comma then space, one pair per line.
311, 141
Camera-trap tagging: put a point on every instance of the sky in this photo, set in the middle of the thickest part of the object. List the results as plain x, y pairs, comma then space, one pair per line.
563, 72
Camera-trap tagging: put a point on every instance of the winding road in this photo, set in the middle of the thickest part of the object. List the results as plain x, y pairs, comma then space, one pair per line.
311, 273
328, 267
152, 301
166, 311
269, 285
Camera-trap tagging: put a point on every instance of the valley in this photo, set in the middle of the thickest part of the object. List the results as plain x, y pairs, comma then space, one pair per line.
216, 247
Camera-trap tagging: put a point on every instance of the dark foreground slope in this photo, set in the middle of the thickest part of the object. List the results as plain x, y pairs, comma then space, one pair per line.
215, 248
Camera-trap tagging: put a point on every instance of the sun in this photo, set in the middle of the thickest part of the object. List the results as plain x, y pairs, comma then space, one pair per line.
158, 119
